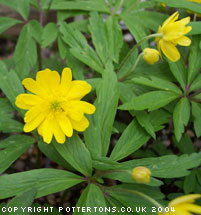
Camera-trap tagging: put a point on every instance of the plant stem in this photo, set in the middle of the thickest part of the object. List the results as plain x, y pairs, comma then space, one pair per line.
39, 56
194, 17
135, 47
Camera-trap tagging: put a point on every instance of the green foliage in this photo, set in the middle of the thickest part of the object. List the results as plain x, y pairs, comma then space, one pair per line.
146, 115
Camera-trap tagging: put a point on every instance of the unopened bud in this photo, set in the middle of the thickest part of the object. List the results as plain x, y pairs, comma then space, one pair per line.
151, 56
141, 174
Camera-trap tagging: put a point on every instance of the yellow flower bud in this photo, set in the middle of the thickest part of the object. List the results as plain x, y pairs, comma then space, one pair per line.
141, 174
150, 55
163, 4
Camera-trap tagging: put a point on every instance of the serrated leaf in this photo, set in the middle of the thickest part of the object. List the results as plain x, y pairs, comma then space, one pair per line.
6, 22
80, 48
98, 33
168, 166
87, 5
49, 34
46, 181
194, 59
21, 6
157, 83
101, 124
76, 154
115, 38
132, 139
196, 112
36, 30
181, 117
11, 148
178, 69
25, 54
23, 200
151, 101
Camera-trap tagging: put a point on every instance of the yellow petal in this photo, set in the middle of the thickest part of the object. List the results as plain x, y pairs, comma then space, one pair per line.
85, 106
150, 55
26, 101
188, 29
79, 89
47, 128
184, 199
37, 120
184, 21
66, 79
170, 51
191, 207
48, 80
173, 31
183, 41
65, 124
58, 133
82, 125
171, 19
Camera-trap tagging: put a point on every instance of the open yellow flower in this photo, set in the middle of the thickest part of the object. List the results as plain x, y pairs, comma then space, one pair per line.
55, 108
151, 56
172, 34
184, 205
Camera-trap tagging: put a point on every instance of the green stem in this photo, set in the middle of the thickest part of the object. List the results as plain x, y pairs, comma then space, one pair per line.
136, 46
154, 202
119, 7
39, 56
133, 68
194, 17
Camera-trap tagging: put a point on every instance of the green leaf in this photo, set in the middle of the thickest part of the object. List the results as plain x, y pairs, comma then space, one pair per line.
46, 181
5, 108
104, 163
157, 83
196, 28
21, 6
196, 84
100, 128
132, 139
168, 166
11, 148
10, 125
190, 182
135, 27
195, 7
36, 30
49, 34
151, 101
80, 48
196, 112
76, 154
115, 38
23, 200
98, 33
178, 69
87, 5
181, 117
194, 59
93, 198
25, 54
6, 22
143, 120
10, 85
52, 154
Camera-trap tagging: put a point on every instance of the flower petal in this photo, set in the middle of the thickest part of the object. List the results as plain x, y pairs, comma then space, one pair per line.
171, 19
84, 106
184, 199
191, 207
65, 124
66, 79
183, 41
170, 51
26, 101
81, 125
58, 133
47, 128
79, 89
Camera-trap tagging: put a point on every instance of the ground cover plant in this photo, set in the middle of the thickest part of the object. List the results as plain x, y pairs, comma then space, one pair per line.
100, 107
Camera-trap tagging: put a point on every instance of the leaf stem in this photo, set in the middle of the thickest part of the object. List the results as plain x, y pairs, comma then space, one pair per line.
136, 46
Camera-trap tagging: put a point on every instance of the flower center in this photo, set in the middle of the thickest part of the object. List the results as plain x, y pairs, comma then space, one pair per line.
55, 106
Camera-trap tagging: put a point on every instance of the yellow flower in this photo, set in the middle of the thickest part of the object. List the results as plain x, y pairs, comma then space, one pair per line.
198, 1
141, 174
150, 55
172, 33
184, 205
55, 108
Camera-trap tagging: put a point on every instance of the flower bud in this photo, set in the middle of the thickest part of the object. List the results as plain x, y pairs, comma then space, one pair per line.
141, 174
163, 4
150, 55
